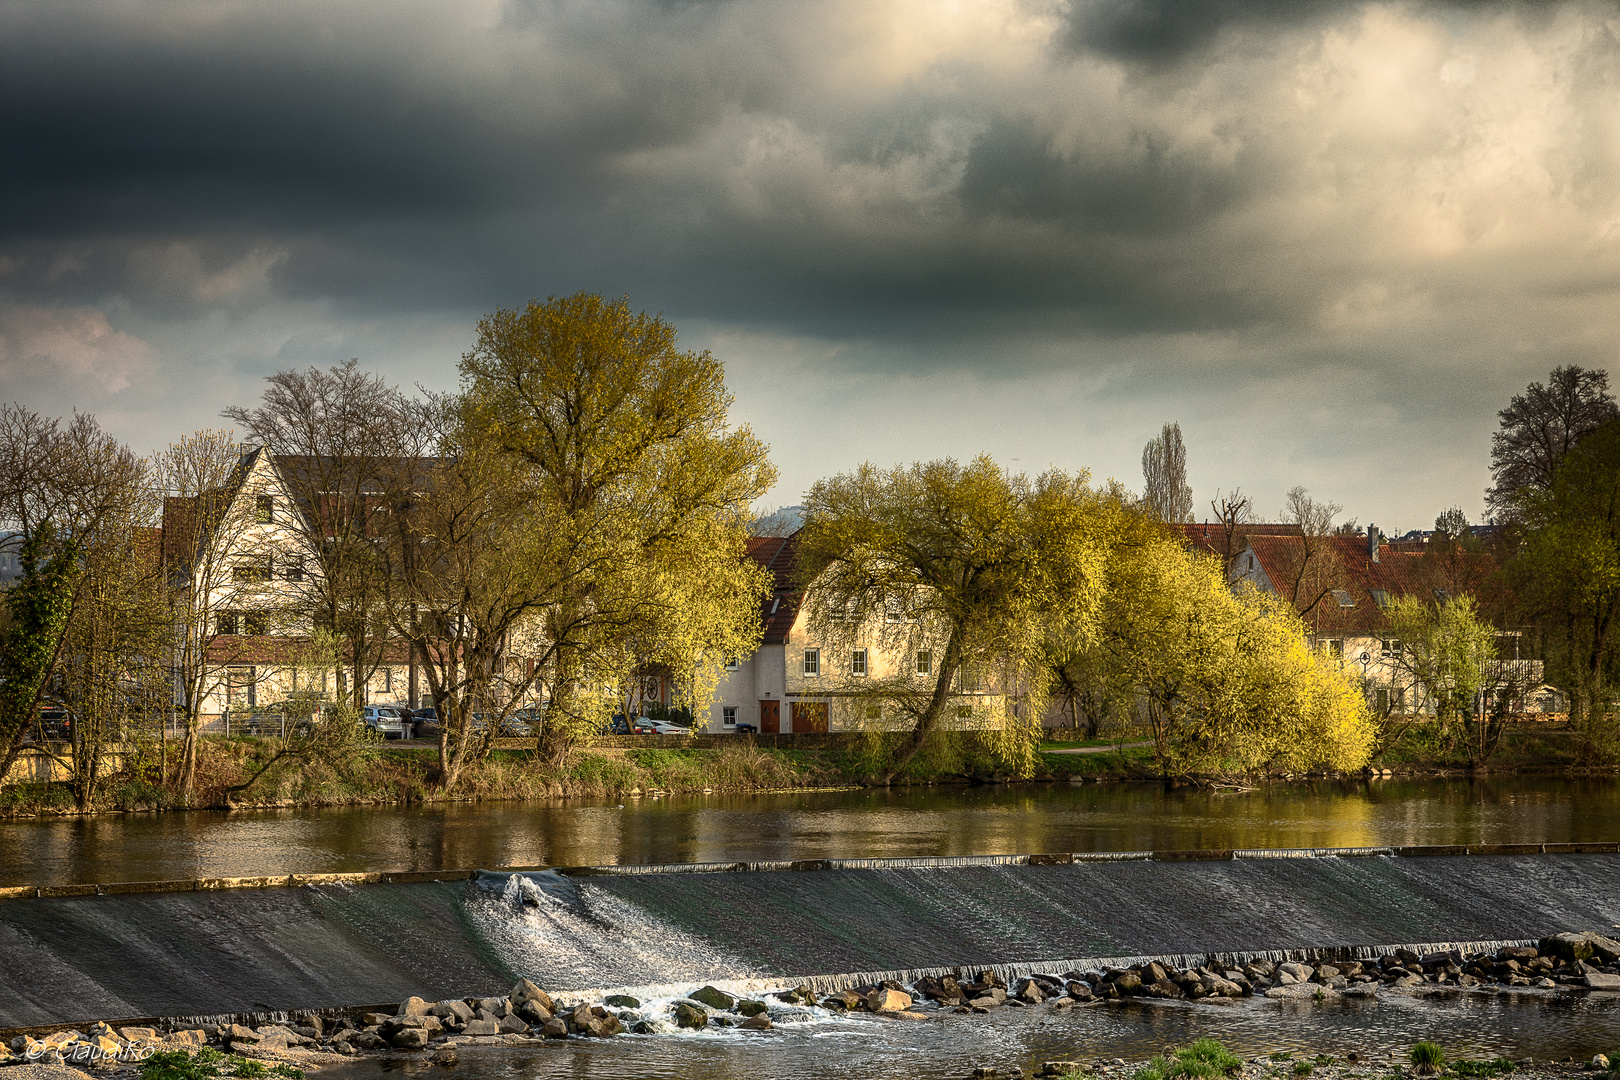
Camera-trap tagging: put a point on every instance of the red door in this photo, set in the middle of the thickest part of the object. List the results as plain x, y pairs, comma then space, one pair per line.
770, 718
809, 716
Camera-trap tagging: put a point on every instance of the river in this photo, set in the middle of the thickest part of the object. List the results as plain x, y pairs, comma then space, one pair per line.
893, 823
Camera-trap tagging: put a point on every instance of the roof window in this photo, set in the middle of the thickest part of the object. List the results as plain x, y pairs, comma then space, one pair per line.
1380, 597
1442, 596
1344, 598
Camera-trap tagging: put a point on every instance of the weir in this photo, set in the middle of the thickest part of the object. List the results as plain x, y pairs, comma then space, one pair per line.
325, 944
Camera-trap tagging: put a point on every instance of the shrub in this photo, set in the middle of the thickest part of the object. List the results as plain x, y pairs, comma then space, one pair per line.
1205, 1059
1428, 1056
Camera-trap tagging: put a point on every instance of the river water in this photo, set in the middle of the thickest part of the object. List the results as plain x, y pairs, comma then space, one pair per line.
896, 823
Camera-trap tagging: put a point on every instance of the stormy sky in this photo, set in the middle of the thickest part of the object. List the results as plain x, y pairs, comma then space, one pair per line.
1329, 239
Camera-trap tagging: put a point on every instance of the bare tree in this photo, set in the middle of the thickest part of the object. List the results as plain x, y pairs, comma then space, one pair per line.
1314, 572
1538, 429
1166, 494
1233, 511
336, 437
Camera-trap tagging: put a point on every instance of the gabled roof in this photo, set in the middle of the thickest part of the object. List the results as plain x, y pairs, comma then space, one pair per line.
1210, 538
1348, 567
776, 553
185, 517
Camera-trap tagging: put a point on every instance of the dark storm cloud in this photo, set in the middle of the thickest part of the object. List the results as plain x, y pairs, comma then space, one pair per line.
1159, 31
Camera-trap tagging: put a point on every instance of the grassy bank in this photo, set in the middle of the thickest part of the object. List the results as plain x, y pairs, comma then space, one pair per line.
404, 775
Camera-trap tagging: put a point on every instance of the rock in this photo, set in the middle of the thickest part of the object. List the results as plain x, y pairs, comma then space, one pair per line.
372, 1019
622, 1001
757, 1022
845, 1000
413, 1006
1303, 992
1599, 1063
881, 1001
554, 1029
528, 991
1599, 981
1078, 990
481, 1027
513, 1025
1324, 972
1153, 972
1516, 952
985, 1003
341, 1046
445, 1058
138, 1034
453, 1009
1058, 1068
236, 1033
496, 1007
368, 1040
714, 999
189, 1037
1128, 984
1165, 988
1219, 987
751, 1008
688, 1015
410, 1038
1030, 990
1299, 972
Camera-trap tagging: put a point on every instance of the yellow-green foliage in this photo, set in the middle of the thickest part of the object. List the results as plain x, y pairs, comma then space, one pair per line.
1226, 682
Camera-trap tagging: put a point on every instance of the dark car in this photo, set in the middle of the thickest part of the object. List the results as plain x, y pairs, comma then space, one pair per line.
616, 726
55, 725
748, 729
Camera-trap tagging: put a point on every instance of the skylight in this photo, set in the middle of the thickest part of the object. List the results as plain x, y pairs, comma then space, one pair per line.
1344, 598
1380, 597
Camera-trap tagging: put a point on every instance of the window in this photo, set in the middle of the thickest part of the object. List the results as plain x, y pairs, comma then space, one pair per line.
1344, 598
1380, 597
1383, 700
264, 509
812, 663
294, 569
239, 686
251, 572
256, 622
964, 712
894, 610
874, 712
857, 662
1335, 648
925, 662
1391, 646
728, 716
1442, 596
732, 663
225, 622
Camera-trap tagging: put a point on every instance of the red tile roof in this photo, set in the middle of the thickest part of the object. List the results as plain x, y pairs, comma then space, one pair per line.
776, 553
1347, 566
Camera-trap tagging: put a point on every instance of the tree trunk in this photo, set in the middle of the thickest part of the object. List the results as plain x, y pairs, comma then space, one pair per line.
950, 663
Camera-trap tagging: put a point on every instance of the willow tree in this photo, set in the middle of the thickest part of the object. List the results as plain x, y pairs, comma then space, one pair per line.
968, 564
628, 457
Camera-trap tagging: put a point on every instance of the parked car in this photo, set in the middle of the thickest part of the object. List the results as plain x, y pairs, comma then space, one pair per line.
55, 724
644, 726
619, 725
747, 729
388, 721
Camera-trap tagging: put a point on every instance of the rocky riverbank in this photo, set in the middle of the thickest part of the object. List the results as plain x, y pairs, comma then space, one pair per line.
528, 1015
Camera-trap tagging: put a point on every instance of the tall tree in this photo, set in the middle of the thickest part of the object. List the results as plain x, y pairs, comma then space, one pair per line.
1234, 512
59, 484
1314, 571
1166, 493
630, 460
979, 564
1538, 430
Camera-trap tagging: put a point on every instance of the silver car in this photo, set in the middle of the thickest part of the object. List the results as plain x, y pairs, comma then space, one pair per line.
387, 721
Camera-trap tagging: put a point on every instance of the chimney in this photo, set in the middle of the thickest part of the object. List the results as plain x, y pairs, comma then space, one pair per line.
1373, 537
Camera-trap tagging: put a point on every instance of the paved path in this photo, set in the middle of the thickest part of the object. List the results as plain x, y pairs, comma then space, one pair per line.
1096, 749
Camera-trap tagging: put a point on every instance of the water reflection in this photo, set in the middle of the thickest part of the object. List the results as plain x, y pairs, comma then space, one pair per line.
878, 823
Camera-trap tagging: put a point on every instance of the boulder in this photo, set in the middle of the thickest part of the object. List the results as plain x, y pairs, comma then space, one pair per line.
1031, 991
481, 1027
886, 1001
714, 999
554, 1029
845, 1000
758, 1022
1596, 980
1153, 972
688, 1015
190, 1037
368, 1040
622, 1001
528, 991
453, 1009
1078, 990
414, 1006
1516, 952
1299, 972
138, 1034
409, 1038
513, 1025
373, 1019
237, 1033
1165, 988
445, 1057
752, 1008
496, 1007
1128, 984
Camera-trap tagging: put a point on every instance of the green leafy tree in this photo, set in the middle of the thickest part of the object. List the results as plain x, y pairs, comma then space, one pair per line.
969, 563
629, 461
1448, 656
1539, 428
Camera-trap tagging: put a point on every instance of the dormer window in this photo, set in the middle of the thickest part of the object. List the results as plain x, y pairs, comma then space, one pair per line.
1344, 598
